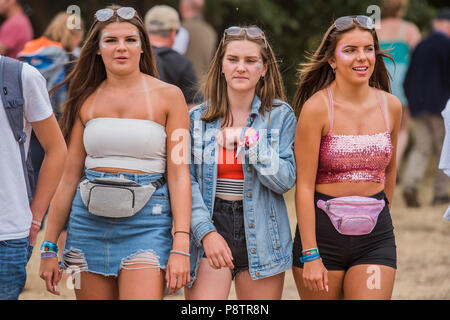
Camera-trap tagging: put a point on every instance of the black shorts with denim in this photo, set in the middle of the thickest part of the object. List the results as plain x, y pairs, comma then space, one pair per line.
228, 218
340, 252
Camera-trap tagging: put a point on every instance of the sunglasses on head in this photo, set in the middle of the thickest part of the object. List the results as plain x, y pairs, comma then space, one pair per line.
344, 23
252, 33
126, 13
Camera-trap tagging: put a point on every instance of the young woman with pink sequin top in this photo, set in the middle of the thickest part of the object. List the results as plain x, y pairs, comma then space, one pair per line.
345, 146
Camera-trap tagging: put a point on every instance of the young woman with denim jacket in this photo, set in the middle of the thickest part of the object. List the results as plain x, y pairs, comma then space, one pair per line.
345, 146
242, 162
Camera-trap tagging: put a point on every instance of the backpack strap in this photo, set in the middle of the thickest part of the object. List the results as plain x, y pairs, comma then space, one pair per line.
13, 102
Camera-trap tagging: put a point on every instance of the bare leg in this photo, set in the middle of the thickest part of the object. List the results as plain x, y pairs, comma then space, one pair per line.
96, 287
210, 284
335, 284
140, 277
270, 288
141, 284
365, 281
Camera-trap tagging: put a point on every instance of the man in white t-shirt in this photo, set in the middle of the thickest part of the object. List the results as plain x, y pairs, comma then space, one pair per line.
17, 232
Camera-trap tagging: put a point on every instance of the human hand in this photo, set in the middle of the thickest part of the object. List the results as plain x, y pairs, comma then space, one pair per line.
315, 276
34, 229
49, 271
217, 251
251, 137
177, 272
229, 137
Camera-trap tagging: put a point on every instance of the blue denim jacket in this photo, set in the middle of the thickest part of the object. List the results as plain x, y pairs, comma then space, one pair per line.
269, 171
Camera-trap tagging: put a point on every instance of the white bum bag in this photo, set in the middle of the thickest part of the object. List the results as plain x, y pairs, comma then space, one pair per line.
116, 197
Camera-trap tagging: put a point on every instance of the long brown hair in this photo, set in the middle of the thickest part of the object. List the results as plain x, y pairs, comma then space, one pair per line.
215, 86
317, 74
89, 71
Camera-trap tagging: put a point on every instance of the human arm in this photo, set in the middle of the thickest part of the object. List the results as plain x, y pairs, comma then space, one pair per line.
395, 113
273, 159
37, 111
307, 144
203, 230
413, 35
62, 201
3, 49
50, 137
177, 129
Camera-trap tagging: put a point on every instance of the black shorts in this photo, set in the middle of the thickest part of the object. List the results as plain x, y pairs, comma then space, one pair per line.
340, 252
228, 218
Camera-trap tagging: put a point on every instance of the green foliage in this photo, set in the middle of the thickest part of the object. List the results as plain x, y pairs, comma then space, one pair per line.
293, 27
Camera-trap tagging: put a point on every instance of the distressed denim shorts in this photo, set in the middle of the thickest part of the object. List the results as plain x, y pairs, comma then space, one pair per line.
106, 245
228, 218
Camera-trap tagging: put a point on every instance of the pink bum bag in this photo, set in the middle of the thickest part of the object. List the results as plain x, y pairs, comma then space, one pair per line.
353, 215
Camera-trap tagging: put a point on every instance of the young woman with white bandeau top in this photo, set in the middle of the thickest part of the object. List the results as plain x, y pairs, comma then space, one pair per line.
118, 121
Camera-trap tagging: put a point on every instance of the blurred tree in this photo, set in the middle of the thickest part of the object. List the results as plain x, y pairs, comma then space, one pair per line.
293, 27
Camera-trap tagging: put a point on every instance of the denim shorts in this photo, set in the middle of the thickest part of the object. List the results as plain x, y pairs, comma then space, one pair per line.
106, 245
341, 252
228, 218
14, 256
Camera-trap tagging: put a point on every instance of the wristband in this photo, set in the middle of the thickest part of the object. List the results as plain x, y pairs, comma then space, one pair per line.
180, 231
309, 252
181, 252
49, 254
310, 258
38, 223
49, 246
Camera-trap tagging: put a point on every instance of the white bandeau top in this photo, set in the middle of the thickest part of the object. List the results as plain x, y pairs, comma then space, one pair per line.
133, 144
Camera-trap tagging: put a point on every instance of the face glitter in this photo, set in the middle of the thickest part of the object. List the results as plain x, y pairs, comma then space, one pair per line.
259, 67
102, 42
138, 43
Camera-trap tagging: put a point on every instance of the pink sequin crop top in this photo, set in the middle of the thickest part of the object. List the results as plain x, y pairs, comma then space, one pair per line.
354, 158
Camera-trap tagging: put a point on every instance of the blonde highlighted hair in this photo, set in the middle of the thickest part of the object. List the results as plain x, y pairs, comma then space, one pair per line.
58, 31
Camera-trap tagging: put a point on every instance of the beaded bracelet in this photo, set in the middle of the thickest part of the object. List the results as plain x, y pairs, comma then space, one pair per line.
49, 254
181, 252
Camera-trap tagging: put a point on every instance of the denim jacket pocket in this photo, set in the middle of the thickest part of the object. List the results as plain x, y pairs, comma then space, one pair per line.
274, 231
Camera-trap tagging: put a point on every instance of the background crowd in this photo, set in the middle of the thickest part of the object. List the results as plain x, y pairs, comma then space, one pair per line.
184, 36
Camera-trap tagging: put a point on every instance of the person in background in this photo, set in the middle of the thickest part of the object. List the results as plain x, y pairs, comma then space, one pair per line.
444, 162
202, 36
162, 23
427, 88
399, 37
16, 30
